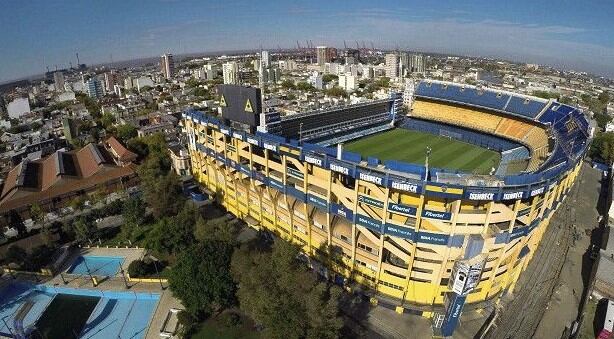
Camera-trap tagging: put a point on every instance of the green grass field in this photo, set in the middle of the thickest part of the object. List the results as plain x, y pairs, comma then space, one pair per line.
410, 146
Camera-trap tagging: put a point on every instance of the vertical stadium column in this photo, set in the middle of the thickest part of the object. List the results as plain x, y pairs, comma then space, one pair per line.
446, 257
489, 208
250, 181
328, 214
226, 172
501, 251
354, 224
412, 250
381, 236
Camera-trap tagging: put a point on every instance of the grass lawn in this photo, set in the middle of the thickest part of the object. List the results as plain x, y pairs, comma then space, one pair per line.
410, 146
220, 327
65, 316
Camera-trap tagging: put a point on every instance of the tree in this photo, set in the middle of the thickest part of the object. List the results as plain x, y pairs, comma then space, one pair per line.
133, 210
84, 229
36, 213
602, 147
15, 254
336, 92
201, 277
125, 132
171, 235
107, 120
217, 229
304, 86
163, 194
77, 203
288, 84
279, 292
326, 78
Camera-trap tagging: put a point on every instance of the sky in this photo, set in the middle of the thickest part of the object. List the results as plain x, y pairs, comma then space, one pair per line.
568, 34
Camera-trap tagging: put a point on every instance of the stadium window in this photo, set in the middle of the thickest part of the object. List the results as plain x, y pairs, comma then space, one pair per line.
420, 280
274, 157
444, 281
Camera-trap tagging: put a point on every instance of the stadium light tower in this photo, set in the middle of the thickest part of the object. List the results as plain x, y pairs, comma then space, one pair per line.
300, 134
428, 153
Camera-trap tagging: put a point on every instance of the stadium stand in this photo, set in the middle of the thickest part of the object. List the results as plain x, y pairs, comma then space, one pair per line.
505, 102
459, 133
342, 137
318, 124
456, 115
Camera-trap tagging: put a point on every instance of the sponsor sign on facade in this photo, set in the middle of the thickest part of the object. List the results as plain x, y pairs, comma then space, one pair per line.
436, 215
400, 231
370, 201
402, 209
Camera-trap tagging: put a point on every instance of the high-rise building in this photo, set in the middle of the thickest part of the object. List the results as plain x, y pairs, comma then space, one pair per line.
231, 73
265, 59
351, 56
110, 80
167, 65
404, 63
416, 63
94, 88
392, 65
325, 54
58, 81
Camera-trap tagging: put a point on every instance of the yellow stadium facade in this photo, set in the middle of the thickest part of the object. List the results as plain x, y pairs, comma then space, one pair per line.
396, 236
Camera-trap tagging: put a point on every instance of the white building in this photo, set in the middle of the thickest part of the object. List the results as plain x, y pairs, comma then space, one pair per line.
143, 82
392, 65
231, 73
348, 82
265, 59
66, 96
315, 79
18, 107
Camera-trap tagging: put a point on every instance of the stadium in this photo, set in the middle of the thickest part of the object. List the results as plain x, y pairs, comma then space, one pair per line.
429, 209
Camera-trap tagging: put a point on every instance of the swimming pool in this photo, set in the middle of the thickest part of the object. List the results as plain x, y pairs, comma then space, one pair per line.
116, 314
96, 265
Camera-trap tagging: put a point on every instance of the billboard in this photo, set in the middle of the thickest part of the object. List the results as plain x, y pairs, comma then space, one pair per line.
466, 275
240, 104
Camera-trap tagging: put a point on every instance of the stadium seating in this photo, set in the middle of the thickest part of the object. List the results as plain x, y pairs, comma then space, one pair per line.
513, 129
459, 133
320, 123
515, 155
456, 115
481, 97
355, 134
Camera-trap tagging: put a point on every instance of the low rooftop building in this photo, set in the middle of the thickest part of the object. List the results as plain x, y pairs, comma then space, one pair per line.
53, 181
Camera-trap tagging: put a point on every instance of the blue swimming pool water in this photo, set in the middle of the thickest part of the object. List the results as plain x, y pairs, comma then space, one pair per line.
117, 314
96, 265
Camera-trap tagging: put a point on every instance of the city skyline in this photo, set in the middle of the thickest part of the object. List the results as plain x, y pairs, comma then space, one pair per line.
523, 31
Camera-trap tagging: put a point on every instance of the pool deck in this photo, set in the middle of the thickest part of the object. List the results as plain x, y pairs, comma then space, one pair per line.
165, 303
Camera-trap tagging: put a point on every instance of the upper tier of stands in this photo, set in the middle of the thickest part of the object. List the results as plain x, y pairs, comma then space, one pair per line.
528, 120
317, 124
501, 101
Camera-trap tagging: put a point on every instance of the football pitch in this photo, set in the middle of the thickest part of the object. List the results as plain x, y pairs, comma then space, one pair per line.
410, 146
